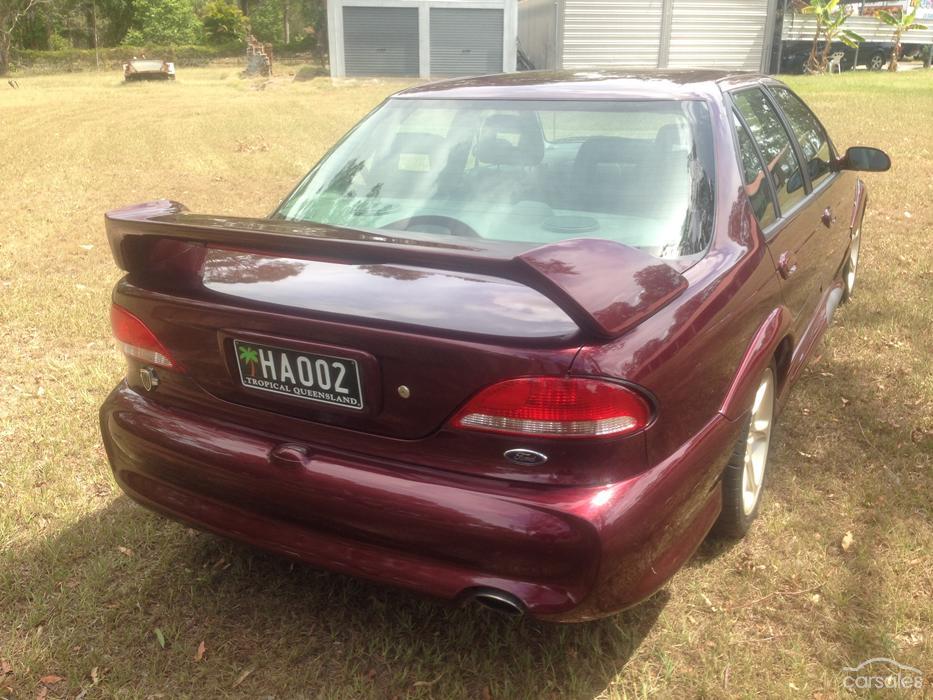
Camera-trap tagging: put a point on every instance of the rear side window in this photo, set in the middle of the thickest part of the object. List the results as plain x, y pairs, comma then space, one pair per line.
814, 143
774, 143
753, 173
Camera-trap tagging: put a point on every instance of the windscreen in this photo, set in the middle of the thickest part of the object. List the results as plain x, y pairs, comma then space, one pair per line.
636, 172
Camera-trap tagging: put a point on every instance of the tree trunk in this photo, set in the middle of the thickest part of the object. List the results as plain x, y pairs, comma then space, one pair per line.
928, 57
813, 62
892, 66
824, 59
286, 27
5, 40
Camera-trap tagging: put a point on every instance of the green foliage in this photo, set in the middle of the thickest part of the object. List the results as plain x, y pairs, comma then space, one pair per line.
76, 60
61, 25
829, 20
115, 18
223, 22
902, 22
58, 43
267, 19
164, 22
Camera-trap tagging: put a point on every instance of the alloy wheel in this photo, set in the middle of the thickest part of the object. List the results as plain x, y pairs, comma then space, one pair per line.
758, 443
852, 262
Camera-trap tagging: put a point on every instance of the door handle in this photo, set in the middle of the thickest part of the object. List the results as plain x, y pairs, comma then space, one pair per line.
828, 219
787, 264
289, 455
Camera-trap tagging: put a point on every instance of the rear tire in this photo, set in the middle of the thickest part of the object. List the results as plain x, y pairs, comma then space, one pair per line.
876, 61
743, 479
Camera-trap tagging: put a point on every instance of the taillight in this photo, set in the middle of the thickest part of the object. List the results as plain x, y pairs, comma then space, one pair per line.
136, 340
573, 407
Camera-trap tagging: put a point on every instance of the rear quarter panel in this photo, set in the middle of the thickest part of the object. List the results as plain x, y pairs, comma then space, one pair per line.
689, 353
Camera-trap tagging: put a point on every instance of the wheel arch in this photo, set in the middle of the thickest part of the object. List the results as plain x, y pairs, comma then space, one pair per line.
772, 342
859, 205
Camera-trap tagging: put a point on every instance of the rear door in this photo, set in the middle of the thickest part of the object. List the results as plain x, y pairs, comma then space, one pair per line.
832, 192
796, 238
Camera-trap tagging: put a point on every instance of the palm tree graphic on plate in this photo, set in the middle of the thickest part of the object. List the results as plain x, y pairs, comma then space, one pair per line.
249, 357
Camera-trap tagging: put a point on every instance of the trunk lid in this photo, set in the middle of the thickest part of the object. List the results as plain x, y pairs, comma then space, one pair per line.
368, 331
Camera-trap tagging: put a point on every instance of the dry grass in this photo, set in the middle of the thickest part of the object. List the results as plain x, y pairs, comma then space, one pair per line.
86, 577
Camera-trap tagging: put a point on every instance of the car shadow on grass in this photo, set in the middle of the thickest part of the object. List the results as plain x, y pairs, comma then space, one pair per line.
94, 596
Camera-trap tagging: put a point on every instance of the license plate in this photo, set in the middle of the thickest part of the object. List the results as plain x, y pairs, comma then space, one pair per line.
321, 378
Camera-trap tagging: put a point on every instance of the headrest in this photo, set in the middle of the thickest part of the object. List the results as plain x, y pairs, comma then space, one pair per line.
510, 139
669, 138
597, 151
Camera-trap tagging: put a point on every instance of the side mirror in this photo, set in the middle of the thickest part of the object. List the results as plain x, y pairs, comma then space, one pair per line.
864, 158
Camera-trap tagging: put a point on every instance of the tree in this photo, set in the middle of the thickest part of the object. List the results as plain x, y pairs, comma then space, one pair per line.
829, 20
223, 22
267, 19
249, 357
163, 22
118, 17
12, 12
902, 23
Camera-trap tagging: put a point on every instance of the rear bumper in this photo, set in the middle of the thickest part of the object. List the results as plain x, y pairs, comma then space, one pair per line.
568, 553
151, 75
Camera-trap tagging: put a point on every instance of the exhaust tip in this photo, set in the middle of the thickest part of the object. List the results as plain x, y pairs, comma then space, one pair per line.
500, 601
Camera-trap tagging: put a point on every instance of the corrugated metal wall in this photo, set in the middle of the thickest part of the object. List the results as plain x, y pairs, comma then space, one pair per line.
465, 41
611, 33
381, 40
537, 31
801, 28
726, 34
729, 34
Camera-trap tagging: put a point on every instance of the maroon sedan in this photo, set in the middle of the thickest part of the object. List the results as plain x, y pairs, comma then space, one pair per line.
518, 339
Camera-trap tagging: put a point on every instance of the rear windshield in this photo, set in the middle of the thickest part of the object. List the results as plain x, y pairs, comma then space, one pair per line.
637, 172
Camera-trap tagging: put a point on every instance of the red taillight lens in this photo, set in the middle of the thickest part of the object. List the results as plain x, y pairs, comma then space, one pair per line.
136, 340
556, 407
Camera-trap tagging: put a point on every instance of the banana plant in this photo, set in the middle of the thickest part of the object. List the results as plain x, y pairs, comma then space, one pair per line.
829, 20
902, 23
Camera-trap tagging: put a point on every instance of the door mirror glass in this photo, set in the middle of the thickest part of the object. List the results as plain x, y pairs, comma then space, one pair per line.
865, 158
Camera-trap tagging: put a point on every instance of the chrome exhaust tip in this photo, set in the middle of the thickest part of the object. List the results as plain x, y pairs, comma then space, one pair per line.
500, 601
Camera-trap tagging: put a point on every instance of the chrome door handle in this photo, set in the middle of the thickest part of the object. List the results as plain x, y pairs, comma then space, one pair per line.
787, 264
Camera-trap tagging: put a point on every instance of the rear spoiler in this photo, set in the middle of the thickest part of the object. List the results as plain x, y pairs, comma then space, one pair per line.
604, 287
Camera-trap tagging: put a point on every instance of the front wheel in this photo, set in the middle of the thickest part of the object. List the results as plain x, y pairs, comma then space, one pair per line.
743, 480
876, 62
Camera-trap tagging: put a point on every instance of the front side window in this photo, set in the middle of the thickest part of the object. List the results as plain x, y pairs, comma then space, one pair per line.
774, 143
530, 172
753, 173
814, 143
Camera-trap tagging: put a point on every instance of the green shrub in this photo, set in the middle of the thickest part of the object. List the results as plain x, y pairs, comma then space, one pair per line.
71, 60
223, 22
266, 21
163, 22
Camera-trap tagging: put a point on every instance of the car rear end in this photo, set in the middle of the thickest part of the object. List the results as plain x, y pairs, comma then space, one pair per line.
147, 69
452, 452
404, 405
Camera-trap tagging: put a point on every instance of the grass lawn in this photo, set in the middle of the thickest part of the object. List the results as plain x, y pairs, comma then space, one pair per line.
100, 598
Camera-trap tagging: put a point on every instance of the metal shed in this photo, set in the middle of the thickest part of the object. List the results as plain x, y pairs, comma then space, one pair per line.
421, 38
727, 34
